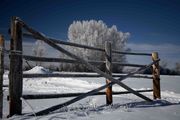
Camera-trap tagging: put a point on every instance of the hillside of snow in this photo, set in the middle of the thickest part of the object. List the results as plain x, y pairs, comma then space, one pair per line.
125, 107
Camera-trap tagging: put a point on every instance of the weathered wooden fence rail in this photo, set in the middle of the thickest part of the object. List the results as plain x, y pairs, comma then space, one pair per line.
48, 96
16, 75
46, 59
27, 75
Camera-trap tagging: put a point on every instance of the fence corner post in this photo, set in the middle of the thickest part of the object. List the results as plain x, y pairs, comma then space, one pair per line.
108, 70
15, 74
1, 74
156, 77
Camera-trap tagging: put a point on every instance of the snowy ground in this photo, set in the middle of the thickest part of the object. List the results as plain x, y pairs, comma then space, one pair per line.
125, 107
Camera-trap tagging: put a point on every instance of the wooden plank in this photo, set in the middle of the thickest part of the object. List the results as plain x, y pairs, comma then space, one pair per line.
59, 75
63, 95
133, 76
46, 59
108, 70
156, 77
126, 64
1, 74
15, 75
27, 75
5, 85
57, 41
131, 53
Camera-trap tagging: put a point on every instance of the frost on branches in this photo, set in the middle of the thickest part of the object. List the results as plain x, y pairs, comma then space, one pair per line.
39, 50
95, 33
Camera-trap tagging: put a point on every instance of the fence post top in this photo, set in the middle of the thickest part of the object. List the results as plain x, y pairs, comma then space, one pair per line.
1, 36
1, 40
154, 52
155, 55
108, 43
15, 17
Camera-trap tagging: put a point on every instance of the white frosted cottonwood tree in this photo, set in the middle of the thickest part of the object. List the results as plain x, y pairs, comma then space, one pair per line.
95, 33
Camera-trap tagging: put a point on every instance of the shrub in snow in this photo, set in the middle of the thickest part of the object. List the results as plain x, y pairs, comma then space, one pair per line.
95, 33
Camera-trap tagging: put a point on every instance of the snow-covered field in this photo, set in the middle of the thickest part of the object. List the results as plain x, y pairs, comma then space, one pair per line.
125, 107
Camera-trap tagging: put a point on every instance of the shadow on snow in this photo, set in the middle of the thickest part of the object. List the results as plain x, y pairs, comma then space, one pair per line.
84, 111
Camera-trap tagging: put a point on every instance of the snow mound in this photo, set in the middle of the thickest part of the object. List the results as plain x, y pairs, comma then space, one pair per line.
38, 70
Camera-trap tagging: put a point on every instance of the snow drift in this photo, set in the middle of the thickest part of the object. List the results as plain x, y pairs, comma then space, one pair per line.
38, 70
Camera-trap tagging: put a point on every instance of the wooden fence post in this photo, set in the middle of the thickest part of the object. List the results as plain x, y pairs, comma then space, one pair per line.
1, 74
15, 77
108, 70
156, 77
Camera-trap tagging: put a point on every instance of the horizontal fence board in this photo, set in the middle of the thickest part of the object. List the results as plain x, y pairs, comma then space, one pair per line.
126, 64
131, 53
77, 75
5, 85
135, 76
85, 46
59, 75
48, 96
46, 59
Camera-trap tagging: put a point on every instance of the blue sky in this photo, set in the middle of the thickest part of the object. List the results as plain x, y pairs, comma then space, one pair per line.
155, 23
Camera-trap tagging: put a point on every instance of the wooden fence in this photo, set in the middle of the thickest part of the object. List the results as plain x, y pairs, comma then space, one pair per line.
16, 75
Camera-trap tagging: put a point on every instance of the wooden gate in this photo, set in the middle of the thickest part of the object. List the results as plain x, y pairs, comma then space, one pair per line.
16, 75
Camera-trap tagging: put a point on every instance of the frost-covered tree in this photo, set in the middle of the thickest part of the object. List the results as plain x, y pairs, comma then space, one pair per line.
39, 50
95, 33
